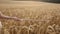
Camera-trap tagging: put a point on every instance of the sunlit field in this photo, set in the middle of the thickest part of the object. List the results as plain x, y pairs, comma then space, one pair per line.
42, 18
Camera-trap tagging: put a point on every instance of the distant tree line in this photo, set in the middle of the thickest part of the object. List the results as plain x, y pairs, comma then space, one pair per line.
56, 1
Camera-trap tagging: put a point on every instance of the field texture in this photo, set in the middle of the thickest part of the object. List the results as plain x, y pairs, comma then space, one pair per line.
41, 18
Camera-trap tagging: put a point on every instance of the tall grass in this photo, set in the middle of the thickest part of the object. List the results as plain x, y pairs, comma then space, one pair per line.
48, 20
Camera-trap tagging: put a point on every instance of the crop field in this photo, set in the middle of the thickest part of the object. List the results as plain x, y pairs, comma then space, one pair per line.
40, 19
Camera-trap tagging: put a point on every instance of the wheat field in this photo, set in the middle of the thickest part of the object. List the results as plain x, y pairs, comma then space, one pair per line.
45, 19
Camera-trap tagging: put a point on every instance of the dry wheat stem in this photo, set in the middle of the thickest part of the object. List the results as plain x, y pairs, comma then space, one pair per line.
2, 16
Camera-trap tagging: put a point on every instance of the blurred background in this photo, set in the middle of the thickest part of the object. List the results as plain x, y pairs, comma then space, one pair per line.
51, 1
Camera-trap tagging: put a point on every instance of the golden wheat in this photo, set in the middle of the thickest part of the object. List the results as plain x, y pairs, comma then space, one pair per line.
48, 16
